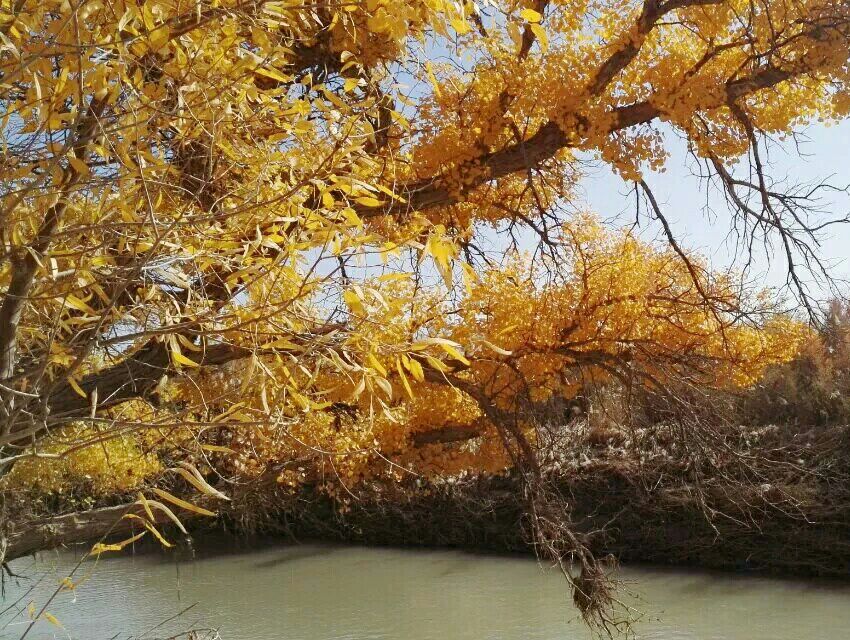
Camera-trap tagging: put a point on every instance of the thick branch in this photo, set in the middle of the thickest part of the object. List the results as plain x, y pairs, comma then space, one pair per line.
134, 377
550, 139
25, 265
650, 14
75, 528
137, 376
448, 434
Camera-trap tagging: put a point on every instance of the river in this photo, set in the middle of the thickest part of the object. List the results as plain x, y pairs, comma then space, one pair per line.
316, 592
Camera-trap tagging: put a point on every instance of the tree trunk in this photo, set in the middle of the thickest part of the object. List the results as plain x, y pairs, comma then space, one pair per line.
79, 527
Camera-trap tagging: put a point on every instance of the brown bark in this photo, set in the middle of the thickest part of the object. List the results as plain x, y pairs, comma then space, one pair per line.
448, 434
25, 264
75, 528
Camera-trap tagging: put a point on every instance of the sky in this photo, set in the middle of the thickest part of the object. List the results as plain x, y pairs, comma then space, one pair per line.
824, 154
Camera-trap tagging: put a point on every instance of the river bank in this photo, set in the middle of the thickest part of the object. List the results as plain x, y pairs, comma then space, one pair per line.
622, 519
769, 501
775, 502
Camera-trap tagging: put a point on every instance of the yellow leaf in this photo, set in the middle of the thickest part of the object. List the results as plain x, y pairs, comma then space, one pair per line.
155, 531
144, 502
530, 15
425, 342
99, 548
436, 364
159, 37
229, 412
52, 619
194, 477
351, 217
182, 503
375, 364
76, 387
168, 512
368, 201
498, 350
454, 353
386, 387
125, 19
403, 377
151, 528
274, 74
542, 38
415, 369
433, 79
358, 390
188, 343
350, 84
179, 359
353, 301
67, 583
508, 329
264, 398
303, 126
283, 344
390, 193
461, 26
75, 303
216, 448
79, 166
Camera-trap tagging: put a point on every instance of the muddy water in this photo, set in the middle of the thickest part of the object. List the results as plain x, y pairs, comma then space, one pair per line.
350, 593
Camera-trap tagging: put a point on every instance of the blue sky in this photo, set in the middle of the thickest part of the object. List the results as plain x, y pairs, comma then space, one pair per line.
824, 153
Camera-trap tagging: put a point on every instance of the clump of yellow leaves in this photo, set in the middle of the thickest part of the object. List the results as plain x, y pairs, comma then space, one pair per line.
84, 458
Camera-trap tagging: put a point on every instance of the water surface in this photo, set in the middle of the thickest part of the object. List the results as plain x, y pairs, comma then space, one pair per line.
315, 592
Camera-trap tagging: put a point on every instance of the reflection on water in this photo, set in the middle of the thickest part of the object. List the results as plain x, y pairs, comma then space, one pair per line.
315, 592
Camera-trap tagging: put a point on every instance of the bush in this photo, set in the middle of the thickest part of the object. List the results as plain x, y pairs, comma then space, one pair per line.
814, 388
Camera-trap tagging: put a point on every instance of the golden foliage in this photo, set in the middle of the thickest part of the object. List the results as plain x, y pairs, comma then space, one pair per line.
86, 462
248, 225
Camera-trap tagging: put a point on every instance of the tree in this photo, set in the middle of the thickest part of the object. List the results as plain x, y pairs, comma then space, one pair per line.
261, 213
